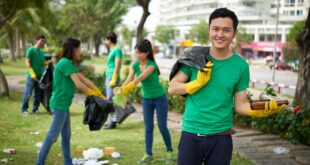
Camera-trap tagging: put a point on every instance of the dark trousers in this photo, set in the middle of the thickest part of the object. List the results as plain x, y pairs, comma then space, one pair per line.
208, 149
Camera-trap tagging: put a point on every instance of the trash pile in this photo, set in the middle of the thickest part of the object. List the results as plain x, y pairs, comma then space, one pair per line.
92, 156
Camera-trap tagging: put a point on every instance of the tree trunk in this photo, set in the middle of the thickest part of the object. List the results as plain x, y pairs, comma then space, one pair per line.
1, 60
302, 94
24, 49
145, 5
4, 88
18, 48
10, 35
97, 44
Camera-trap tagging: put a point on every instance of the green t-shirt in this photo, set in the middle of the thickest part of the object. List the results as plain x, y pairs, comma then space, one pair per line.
210, 109
63, 86
36, 57
151, 87
115, 52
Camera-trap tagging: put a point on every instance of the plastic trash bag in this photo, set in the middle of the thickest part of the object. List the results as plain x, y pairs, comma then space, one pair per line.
96, 112
46, 84
123, 113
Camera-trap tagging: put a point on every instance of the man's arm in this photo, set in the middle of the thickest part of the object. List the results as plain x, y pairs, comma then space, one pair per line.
28, 62
118, 62
241, 102
177, 84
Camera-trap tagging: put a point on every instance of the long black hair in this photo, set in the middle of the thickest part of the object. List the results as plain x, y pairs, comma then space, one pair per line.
68, 47
145, 46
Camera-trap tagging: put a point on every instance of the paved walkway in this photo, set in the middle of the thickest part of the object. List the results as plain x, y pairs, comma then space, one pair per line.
251, 144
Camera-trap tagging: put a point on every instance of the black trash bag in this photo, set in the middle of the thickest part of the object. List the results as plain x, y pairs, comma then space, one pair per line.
122, 114
96, 112
46, 84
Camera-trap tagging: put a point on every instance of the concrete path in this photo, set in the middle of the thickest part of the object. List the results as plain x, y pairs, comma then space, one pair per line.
251, 144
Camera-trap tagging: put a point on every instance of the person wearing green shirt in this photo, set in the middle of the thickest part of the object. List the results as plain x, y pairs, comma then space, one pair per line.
35, 64
212, 94
153, 98
113, 66
65, 79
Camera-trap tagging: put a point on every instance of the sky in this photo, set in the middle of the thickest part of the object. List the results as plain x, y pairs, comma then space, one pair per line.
134, 15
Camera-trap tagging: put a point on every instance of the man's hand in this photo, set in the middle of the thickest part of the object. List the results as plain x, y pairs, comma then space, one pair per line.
113, 80
270, 109
202, 79
33, 74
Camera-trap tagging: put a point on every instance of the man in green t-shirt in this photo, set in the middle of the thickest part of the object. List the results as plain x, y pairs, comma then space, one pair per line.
113, 66
35, 62
212, 94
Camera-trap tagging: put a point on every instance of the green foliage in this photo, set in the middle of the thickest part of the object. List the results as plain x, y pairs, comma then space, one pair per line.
164, 33
294, 126
270, 90
243, 36
127, 34
199, 32
290, 54
297, 27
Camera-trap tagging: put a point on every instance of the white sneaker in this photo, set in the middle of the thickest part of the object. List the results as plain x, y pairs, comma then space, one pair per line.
25, 113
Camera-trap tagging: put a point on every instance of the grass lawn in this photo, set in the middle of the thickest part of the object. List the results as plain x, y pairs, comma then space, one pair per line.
128, 139
13, 68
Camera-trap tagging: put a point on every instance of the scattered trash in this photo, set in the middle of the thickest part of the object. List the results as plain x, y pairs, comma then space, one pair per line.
79, 149
35, 133
104, 162
9, 151
108, 150
39, 144
92, 162
93, 154
116, 155
115, 164
76, 161
5, 160
280, 150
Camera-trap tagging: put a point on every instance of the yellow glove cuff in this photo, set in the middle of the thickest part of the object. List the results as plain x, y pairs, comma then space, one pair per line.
32, 74
113, 80
90, 93
192, 87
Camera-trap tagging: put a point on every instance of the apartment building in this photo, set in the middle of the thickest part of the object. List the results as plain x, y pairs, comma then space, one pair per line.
258, 17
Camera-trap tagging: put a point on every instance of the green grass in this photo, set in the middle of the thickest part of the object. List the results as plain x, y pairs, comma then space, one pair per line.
128, 139
13, 68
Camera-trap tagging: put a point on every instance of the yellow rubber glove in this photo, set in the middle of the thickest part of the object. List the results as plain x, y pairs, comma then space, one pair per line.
113, 80
33, 74
127, 88
90, 93
270, 109
202, 79
98, 93
47, 62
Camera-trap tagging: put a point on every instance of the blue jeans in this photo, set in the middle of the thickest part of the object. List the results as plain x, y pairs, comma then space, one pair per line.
60, 124
159, 104
31, 85
109, 93
207, 149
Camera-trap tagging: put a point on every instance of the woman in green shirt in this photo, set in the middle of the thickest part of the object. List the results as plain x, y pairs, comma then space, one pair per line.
153, 97
65, 79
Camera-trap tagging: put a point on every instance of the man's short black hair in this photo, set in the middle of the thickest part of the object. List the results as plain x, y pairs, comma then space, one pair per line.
112, 37
224, 12
40, 37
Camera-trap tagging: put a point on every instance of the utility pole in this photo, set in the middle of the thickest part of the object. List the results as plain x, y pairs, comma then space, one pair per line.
275, 43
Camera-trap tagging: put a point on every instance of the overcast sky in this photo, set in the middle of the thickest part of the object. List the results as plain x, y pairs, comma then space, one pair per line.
134, 15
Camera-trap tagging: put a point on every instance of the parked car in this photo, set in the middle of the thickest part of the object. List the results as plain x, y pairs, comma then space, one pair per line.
281, 66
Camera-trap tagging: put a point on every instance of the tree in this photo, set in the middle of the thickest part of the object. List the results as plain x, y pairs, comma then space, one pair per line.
164, 33
199, 32
145, 5
7, 11
290, 50
302, 94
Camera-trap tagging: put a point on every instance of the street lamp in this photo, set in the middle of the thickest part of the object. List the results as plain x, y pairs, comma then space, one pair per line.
275, 43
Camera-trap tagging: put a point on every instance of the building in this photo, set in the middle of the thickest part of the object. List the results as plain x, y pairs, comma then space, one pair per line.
258, 17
